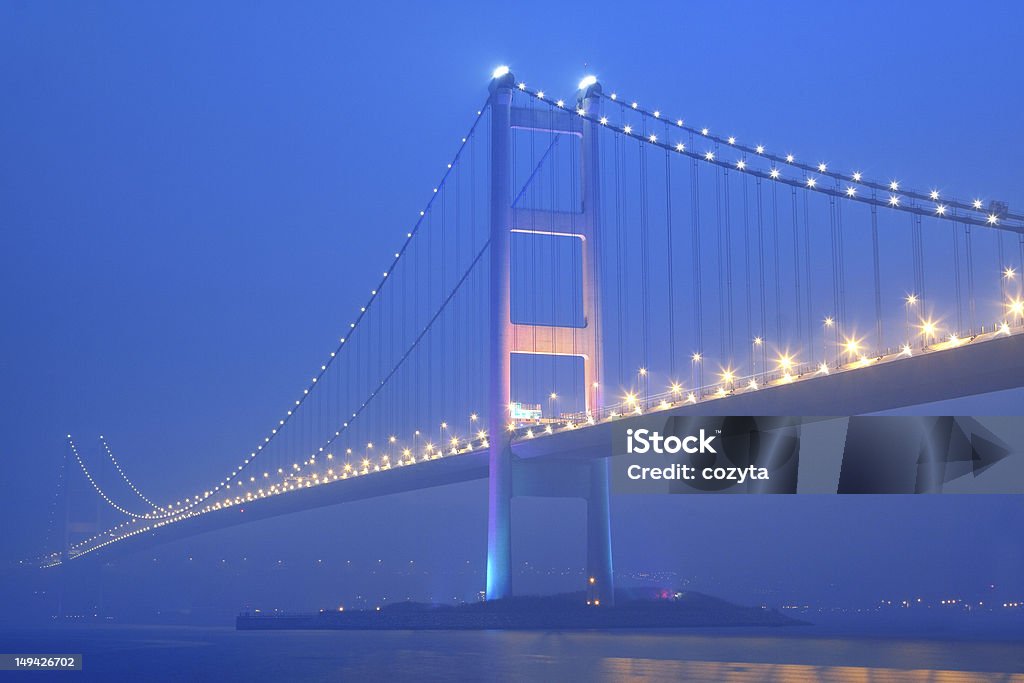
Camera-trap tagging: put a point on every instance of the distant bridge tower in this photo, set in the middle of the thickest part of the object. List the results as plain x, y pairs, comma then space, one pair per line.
508, 476
80, 585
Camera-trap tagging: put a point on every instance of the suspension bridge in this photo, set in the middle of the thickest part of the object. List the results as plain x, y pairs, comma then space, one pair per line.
590, 261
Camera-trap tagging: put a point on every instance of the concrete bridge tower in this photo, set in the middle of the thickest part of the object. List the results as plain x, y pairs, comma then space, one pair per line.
509, 476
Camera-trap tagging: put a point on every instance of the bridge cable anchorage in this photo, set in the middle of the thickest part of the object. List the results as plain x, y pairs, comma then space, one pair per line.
995, 209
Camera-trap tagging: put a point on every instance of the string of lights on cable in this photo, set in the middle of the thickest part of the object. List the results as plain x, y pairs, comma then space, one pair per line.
942, 207
895, 200
124, 476
188, 503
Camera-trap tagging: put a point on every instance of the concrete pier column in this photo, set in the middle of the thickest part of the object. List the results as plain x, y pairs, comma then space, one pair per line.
600, 579
499, 494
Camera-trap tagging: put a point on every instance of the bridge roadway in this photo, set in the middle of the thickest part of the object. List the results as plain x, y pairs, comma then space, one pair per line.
992, 365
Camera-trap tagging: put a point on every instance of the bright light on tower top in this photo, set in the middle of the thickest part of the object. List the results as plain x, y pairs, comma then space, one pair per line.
587, 82
500, 71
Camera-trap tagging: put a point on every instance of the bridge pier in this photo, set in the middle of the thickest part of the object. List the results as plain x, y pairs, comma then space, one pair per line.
574, 477
499, 522
600, 579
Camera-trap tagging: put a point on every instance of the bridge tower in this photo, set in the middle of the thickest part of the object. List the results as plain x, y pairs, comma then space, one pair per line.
80, 586
508, 476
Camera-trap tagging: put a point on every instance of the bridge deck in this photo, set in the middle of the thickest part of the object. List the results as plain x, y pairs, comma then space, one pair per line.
992, 365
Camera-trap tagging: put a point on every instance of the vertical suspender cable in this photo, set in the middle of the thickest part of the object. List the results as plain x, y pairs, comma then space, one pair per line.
835, 275
796, 265
476, 320
841, 257
695, 218
430, 272
443, 378
810, 284
533, 266
556, 272
760, 268
576, 269
671, 265
921, 259
877, 279
1020, 244
746, 269
457, 324
1001, 256
956, 279
721, 266
970, 275
619, 250
645, 304
728, 270
777, 270
624, 197
419, 381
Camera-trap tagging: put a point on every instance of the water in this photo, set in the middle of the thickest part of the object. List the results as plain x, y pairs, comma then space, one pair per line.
166, 653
